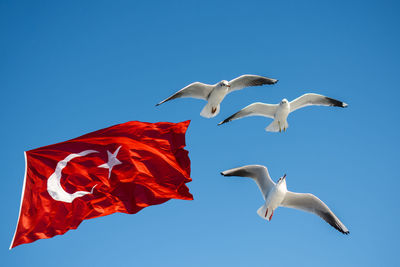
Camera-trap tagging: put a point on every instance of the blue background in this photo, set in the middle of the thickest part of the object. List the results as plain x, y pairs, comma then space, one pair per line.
71, 67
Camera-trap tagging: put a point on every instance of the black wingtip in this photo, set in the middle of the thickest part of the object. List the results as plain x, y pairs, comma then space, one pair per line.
228, 119
336, 103
224, 121
222, 173
343, 232
333, 221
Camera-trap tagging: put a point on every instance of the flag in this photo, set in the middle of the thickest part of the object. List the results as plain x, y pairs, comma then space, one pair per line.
123, 168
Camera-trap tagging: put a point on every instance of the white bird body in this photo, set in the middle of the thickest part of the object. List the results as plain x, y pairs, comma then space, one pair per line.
280, 117
273, 200
214, 94
280, 112
215, 98
276, 195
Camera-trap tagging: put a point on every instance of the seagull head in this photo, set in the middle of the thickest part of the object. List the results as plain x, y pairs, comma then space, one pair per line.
224, 83
284, 101
282, 179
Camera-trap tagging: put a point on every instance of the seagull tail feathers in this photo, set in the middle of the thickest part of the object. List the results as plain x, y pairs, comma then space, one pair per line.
210, 111
264, 213
273, 127
277, 126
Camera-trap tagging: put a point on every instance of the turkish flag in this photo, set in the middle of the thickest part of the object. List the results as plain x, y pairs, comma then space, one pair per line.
123, 168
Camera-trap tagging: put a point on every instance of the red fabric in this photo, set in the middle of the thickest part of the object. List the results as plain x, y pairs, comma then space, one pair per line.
154, 168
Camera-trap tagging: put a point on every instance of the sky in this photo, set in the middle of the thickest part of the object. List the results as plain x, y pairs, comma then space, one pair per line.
71, 67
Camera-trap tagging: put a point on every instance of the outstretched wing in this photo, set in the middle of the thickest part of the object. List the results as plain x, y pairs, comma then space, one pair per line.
195, 90
314, 100
255, 109
310, 203
249, 80
258, 172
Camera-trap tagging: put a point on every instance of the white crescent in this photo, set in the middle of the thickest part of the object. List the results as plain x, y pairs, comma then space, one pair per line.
54, 185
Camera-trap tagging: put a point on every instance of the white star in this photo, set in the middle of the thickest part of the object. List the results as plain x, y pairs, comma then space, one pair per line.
112, 161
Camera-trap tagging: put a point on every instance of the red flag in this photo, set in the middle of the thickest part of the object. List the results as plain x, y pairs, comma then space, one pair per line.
123, 168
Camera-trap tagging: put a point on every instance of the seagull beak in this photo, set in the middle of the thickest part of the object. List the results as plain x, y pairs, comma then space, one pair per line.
228, 85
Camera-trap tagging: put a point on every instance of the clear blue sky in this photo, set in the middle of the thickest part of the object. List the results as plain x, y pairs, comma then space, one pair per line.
71, 67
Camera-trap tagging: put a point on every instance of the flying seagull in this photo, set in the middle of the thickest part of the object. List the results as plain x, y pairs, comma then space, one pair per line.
279, 112
276, 195
214, 94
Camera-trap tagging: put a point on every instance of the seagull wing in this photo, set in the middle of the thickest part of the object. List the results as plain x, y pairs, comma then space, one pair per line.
249, 80
257, 172
315, 100
310, 203
195, 90
255, 109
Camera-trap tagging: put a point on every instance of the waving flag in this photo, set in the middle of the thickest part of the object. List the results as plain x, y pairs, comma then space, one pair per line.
123, 168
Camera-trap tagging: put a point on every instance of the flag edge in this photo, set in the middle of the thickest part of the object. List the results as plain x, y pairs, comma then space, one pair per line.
22, 199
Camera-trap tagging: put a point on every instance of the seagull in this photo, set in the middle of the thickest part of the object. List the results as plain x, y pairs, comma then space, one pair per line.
279, 112
214, 94
277, 195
